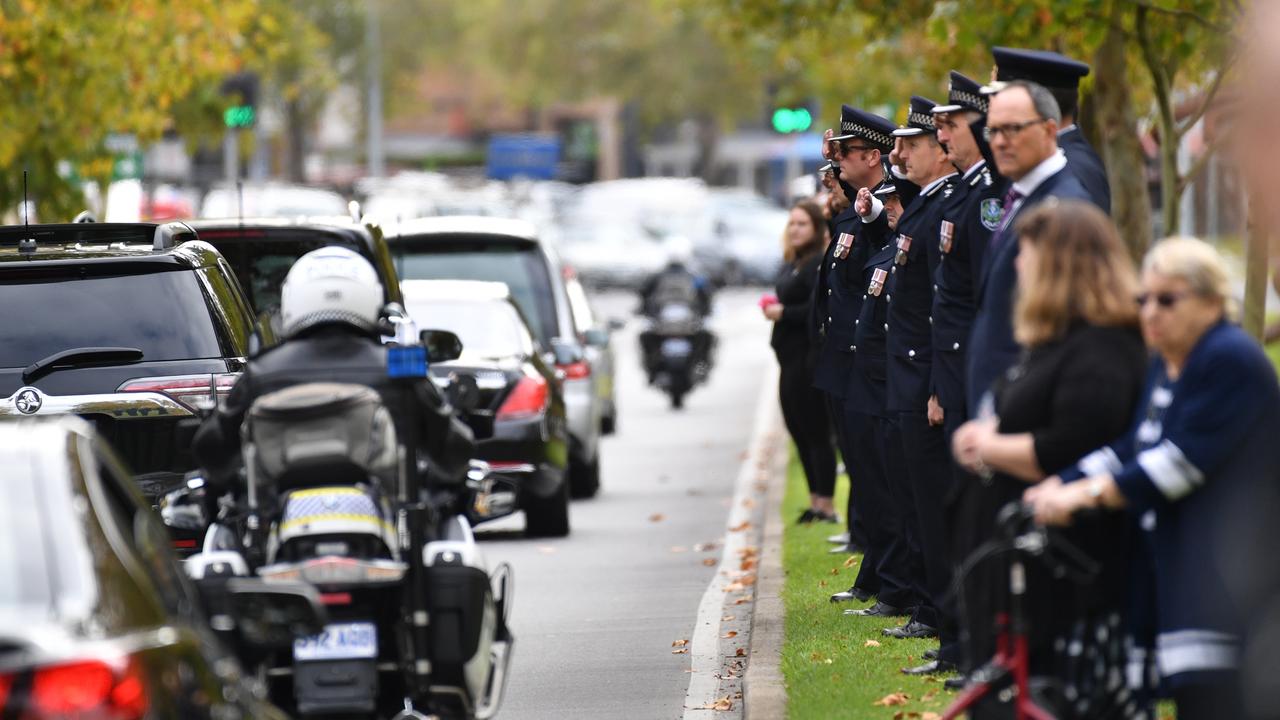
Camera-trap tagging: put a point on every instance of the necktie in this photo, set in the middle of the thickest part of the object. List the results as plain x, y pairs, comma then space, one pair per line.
998, 237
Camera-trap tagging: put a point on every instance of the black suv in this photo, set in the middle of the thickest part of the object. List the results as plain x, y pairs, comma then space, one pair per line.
261, 251
129, 325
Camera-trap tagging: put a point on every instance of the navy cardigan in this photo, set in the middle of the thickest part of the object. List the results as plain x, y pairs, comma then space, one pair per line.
1199, 447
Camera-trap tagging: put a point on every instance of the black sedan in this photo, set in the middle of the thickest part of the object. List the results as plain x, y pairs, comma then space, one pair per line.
530, 445
97, 619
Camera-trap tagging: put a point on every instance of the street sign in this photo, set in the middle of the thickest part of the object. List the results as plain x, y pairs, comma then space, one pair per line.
530, 155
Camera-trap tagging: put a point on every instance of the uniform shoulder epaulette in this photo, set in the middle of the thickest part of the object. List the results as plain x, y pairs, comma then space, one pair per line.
946, 186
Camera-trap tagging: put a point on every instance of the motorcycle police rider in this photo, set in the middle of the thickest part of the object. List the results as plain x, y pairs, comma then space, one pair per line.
330, 305
676, 283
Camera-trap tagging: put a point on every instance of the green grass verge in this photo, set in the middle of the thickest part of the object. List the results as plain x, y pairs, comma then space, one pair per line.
830, 670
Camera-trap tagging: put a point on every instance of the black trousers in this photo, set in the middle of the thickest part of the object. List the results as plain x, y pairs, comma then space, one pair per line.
889, 563
857, 529
805, 412
930, 473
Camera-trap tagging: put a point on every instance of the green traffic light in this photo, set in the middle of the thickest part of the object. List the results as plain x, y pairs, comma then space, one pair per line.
792, 120
240, 116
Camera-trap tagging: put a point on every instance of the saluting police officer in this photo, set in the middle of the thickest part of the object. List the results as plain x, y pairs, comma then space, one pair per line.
896, 560
909, 299
1060, 75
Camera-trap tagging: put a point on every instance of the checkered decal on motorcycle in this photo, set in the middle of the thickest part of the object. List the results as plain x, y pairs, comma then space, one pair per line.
335, 509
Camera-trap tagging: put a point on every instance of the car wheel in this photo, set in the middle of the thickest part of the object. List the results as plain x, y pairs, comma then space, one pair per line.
548, 517
584, 478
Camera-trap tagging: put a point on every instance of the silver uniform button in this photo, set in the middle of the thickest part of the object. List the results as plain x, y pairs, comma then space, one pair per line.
935, 288
864, 296
828, 318
930, 319
833, 266
955, 346
853, 347
911, 353
886, 327
888, 298
828, 292
856, 321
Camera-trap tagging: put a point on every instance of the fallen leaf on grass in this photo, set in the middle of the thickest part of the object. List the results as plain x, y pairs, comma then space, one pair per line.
893, 699
929, 696
871, 643
853, 560
724, 704
680, 643
657, 517
835, 571
710, 562
822, 583
742, 652
815, 656
730, 634
680, 651
930, 716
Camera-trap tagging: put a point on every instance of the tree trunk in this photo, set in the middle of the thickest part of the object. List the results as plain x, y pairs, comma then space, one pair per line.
1162, 83
1121, 149
295, 119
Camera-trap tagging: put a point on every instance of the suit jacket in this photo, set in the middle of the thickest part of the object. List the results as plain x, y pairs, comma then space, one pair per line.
967, 224
1087, 167
992, 349
866, 389
837, 300
909, 297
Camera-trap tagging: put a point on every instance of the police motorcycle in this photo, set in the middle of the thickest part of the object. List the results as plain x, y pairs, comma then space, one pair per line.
677, 348
417, 625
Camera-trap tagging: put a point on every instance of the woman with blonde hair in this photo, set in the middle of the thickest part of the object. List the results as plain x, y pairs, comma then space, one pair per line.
1074, 388
803, 408
1200, 453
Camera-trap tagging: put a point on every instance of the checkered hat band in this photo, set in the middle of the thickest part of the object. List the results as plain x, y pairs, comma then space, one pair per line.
920, 120
875, 136
968, 99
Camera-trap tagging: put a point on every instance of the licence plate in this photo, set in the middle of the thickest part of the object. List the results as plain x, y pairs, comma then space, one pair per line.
676, 347
339, 641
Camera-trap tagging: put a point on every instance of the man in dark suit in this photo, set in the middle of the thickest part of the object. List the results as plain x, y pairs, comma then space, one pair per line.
1022, 128
1061, 76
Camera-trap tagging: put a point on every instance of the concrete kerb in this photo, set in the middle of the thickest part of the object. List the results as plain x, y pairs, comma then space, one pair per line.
764, 688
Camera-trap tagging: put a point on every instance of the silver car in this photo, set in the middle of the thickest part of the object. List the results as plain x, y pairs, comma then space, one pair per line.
596, 338
511, 252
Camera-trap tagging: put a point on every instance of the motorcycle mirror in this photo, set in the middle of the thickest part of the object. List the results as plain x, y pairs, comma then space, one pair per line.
271, 616
441, 345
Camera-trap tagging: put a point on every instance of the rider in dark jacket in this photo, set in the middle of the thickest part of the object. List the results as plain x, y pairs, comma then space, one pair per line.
330, 305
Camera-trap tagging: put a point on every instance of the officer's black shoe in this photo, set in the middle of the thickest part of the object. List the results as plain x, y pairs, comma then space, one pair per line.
933, 667
879, 610
930, 654
854, 593
912, 630
807, 517
831, 517
956, 683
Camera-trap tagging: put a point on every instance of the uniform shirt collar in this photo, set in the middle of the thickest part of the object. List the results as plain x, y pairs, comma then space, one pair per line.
974, 169
934, 185
1045, 170
1067, 129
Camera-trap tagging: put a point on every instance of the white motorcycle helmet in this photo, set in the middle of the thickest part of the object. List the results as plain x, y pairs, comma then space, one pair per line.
332, 284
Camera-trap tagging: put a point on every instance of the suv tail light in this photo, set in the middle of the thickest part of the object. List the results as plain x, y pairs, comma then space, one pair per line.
111, 690
190, 390
576, 371
527, 399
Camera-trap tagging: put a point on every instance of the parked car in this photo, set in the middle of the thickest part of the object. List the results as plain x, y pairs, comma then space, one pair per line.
97, 619
596, 337
530, 442
511, 252
749, 227
123, 324
261, 251
271, 200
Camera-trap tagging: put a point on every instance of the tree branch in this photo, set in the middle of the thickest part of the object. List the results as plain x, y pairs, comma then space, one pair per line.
1207, 102
1159, 79
1186, 14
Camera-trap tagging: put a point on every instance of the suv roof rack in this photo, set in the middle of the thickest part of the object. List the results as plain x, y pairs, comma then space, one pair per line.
171, 233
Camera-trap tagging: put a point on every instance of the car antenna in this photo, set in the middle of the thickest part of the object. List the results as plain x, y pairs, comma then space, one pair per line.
26, 245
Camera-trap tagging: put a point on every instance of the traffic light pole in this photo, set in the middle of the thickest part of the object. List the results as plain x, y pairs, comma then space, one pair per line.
231, 156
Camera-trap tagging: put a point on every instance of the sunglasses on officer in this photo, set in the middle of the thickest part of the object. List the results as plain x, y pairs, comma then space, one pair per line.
845, 148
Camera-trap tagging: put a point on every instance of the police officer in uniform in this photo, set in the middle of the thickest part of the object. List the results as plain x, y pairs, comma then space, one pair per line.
909, 361
896, 559
857, 152
1061, 76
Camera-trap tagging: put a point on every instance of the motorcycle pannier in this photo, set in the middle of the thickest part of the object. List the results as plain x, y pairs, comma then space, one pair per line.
332, 427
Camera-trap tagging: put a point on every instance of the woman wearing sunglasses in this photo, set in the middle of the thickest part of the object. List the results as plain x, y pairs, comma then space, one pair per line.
1074, 388
1202, 442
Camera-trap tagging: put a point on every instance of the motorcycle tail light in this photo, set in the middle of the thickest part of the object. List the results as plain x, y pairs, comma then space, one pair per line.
527, 399
190, 390
331, 570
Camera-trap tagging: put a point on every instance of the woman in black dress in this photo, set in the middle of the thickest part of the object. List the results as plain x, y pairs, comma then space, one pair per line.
803, 407
1080, 376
